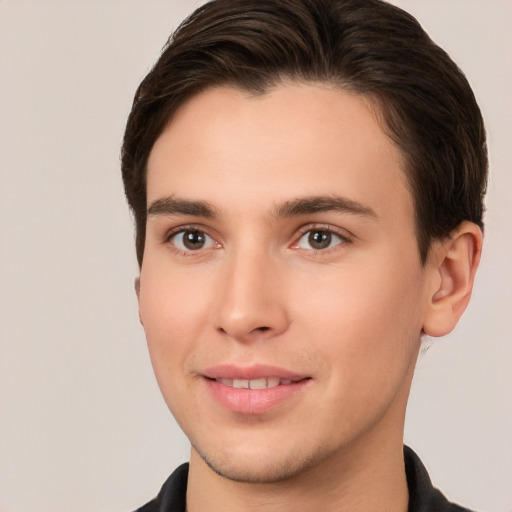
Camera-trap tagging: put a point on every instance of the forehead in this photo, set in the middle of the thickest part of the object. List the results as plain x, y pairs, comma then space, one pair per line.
229, 147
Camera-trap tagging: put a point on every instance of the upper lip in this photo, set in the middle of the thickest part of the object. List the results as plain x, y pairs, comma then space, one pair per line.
256, 371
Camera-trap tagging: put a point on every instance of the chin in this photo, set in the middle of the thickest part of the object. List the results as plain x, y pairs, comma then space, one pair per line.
260, 468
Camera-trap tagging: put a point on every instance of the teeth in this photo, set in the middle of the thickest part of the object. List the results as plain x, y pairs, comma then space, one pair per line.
273, 382
240, 383
258, 383
262, 383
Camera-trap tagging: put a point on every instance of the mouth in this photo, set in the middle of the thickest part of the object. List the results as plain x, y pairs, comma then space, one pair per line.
261, 383
253, 390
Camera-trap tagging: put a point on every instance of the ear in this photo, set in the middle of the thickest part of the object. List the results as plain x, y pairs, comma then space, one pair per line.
137, 292
455, 261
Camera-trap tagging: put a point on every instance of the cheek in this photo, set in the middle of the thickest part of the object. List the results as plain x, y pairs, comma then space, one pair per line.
172, 313
169, 299
365, 323
369, 345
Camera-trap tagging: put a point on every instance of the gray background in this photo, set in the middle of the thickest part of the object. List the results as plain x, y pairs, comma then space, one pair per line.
82, 423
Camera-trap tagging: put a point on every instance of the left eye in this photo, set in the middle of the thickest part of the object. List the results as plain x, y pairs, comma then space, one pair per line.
192, 240
319, 239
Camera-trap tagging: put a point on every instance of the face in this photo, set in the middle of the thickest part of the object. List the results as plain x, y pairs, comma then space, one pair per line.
281, 289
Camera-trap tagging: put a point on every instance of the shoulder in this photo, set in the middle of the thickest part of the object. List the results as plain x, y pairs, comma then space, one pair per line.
172, 496
423, 496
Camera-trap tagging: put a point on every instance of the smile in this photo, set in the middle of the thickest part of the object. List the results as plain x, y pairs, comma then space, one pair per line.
261, 383
253, 390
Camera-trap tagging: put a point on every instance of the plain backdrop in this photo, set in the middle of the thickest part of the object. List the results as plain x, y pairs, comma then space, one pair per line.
82, 423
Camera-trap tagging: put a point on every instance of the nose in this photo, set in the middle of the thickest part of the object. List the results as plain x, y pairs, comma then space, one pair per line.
251, 304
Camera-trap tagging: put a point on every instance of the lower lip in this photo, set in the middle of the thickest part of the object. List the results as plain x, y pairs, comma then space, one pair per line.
253, 401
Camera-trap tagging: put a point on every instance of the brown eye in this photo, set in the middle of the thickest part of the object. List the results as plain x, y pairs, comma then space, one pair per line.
192, 240
319, 239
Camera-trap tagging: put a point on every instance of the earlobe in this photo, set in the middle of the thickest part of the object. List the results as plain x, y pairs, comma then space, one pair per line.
455, 263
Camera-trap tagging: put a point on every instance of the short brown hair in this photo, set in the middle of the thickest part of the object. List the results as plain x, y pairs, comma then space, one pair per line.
367, 46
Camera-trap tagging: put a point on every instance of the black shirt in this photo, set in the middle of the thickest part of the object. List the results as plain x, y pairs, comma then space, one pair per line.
423, 497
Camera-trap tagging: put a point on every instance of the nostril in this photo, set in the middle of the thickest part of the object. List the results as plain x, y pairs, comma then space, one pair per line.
262, 329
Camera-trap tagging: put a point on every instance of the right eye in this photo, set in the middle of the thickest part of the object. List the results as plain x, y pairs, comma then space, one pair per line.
192, 240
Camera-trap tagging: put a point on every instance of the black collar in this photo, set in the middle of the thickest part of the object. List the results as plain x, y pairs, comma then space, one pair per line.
423, 497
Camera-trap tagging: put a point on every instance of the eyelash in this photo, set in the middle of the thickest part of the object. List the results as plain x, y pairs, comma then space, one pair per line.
170, 235
343, 237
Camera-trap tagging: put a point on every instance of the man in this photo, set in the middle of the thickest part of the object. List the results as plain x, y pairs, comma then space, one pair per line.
307, 179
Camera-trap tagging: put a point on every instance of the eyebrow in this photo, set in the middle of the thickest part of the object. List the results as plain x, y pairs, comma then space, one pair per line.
318, 204
173, 205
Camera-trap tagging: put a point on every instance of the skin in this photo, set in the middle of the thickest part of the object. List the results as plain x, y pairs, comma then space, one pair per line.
349, 316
